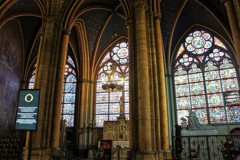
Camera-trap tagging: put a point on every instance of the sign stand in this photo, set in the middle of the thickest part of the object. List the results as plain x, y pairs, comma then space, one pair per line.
27, 113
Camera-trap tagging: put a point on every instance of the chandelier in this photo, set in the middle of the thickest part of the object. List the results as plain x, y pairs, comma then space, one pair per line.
112, 81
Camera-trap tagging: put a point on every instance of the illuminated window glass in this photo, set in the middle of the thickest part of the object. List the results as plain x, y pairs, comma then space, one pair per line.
107, 103
69, 93
203, 72
31, 81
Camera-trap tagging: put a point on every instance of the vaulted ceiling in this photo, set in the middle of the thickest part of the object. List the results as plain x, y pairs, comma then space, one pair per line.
98, 19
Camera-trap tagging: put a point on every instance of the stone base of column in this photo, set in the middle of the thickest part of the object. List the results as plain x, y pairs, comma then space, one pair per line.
167, 154
146, 155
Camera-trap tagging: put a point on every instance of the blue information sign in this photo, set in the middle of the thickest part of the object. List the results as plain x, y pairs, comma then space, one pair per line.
27, 112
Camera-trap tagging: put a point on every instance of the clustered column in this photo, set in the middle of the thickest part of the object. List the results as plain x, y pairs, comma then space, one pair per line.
144, 118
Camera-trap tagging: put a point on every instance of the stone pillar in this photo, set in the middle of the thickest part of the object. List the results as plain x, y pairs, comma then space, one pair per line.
162, 90
59, 92
234, 26
144, 150
45, 80
237, 10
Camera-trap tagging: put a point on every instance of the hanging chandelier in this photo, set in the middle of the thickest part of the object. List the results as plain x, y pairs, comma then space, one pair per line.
112, 81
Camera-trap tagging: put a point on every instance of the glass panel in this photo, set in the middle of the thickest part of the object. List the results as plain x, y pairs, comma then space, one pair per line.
70, 78
102, 97
115, 96
126, 94
201, 115
181, 79
114, 108
195, 77
99, 87
70, 87
230, 84
233, 114
183, 103
101, 108
68, 108
126, 107
212, 75
219, 43
69, 98
69, 60
69, 119
227, 73
213, 86
215, 100
113, 117
198, 101
100, 119
182, 90
217, 115
196, 88
226, 63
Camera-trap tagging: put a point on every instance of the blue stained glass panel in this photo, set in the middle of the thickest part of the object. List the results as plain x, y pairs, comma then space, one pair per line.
215, 100
181, 79
227, 73
230, 84
69, 60
183, 103
212, 75
69, 119
213, 86
182, 90
71, 78
198, 101
233, 114
68, 108
69, 98
210, 66
70, 87
226, 64
217, 115
101, 108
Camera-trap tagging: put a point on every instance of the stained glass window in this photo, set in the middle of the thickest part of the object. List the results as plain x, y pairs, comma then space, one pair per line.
31, 81
107, 103
69, 92
203, 71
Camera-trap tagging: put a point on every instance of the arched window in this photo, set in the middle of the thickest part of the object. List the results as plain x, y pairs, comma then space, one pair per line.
69, 93
107, 103
204, 71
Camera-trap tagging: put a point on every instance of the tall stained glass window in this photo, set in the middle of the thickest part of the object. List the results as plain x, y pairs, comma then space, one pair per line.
69, 93
204, 70
107, 103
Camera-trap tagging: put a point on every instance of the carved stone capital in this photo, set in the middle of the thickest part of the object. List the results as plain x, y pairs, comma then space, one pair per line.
140, 4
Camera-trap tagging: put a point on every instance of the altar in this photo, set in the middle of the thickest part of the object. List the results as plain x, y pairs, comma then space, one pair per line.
118, 132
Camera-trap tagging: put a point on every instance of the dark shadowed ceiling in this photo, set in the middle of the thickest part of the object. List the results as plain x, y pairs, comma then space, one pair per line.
98, 17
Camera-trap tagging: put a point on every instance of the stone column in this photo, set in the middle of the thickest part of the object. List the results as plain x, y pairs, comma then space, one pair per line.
144, 118
237, 10
60, 68
234, 26
162, 90
45, 80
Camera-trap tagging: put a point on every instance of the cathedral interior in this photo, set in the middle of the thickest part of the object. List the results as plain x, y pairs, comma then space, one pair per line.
119, 79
